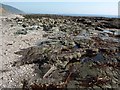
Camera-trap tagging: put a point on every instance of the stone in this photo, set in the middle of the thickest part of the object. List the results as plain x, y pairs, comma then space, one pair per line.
23, 32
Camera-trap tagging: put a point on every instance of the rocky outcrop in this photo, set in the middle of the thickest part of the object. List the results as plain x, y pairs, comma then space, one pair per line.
75, 52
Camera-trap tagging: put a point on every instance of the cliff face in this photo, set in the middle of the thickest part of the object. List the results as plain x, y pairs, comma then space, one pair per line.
6, 9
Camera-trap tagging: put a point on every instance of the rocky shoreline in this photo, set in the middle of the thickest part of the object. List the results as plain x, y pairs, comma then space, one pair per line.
61, 52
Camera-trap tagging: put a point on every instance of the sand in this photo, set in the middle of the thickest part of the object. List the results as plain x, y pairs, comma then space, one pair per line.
11, 77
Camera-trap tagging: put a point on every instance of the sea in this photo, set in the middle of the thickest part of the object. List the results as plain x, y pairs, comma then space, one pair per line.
92, 15
84, 15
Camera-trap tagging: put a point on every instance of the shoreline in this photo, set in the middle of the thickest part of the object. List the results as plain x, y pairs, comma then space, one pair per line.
77, 15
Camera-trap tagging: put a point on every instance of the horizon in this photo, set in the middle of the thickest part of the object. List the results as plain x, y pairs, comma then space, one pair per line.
67, 8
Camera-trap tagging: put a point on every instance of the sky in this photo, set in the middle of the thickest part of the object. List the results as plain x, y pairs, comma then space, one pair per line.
98, 7
59, 0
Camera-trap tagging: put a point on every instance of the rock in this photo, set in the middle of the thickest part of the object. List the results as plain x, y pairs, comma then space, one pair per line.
24, 26
83, 41
99, 28
117, 33
55, 29
78, 50
46, 28
88, 22
20, 22
23, 32
11, 25
91, 52
47, 41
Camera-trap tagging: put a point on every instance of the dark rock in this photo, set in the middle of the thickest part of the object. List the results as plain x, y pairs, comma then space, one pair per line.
23, 32
82, 53
24, 26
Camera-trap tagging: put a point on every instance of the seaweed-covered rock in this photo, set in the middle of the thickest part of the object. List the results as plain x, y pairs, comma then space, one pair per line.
75, 51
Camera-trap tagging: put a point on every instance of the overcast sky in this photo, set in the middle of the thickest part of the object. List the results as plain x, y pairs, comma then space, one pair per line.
100, 7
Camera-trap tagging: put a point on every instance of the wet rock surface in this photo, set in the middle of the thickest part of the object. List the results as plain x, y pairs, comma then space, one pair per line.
75, 52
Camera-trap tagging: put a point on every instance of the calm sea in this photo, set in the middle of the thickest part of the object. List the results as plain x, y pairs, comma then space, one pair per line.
109, 16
